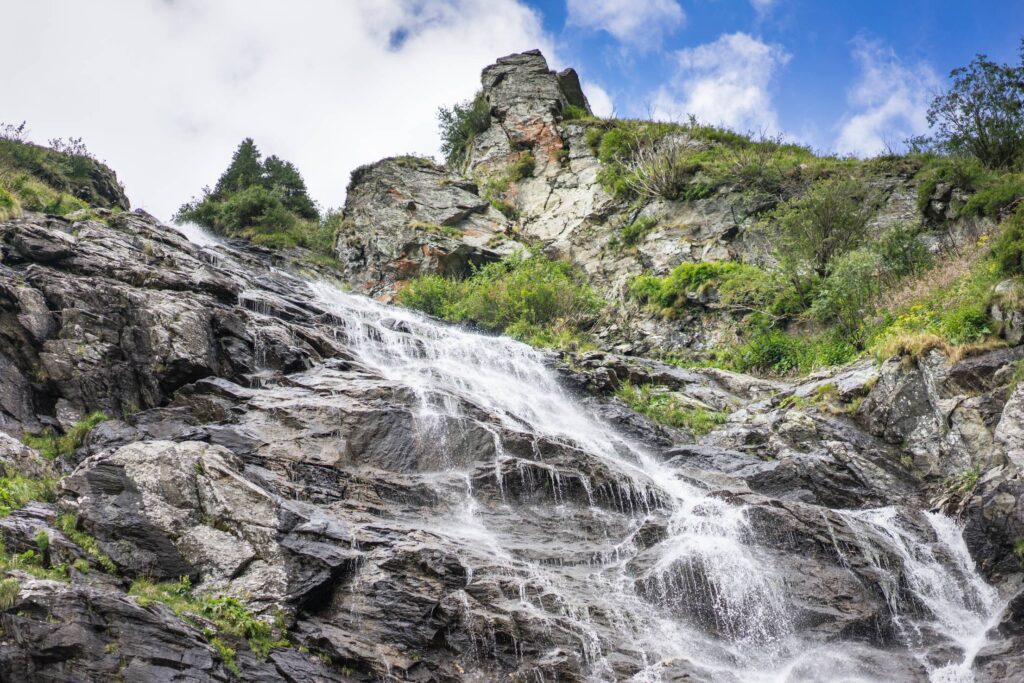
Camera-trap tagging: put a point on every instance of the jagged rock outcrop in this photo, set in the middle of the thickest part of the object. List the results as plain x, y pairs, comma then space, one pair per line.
406, 217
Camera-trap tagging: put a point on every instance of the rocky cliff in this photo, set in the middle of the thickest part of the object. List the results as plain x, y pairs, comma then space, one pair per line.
215, 469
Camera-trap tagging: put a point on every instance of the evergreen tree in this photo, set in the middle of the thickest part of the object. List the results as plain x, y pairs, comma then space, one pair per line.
246, 169
283, 178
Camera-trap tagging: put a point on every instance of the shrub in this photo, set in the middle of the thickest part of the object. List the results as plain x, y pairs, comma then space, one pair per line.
1008, 249
775, 352
459, 125
902, 251
51, 446
637, 230
814, 229
739, 286
963, 172
16, 491
523, 167
532, 298
847, 297
1003, 193
982, 113
667, 408
572, 112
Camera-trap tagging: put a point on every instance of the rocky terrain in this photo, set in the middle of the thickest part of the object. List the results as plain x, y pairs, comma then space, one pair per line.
252, 475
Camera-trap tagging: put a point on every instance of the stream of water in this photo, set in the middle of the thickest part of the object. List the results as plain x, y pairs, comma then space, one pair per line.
649, 599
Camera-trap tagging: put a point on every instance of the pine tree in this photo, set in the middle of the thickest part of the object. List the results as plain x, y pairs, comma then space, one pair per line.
246, 169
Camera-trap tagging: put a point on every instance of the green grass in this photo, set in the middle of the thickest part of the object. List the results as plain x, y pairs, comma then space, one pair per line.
541, 301
666, 408
9, 589
17, 491
949, 316
53, 446
739, 286
43, 179
68, 524
216, 616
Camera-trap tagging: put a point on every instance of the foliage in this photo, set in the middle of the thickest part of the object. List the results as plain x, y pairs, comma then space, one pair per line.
739, 286
902, 251
667, 408
32, 562
68, 524
532, 298
982, 113
774, 352
17, 491
523, 167
57, 179
9, 589
572, 112
1003, 193
965, 173
52, 446
812, 230
637, 230
264, 200
459, 125
1008, 250
943, 317
849, 294
216, 616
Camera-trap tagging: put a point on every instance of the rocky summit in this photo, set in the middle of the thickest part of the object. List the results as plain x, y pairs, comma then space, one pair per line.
228, 461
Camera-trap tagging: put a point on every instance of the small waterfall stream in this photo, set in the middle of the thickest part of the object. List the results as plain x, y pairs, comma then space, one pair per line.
702, 590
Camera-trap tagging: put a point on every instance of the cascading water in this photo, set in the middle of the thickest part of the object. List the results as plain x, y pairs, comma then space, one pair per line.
705, 589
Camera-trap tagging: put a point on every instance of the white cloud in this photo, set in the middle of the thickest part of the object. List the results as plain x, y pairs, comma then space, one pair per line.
890, 101
164, 90
726, 82
600, 101
763, 7
638, 23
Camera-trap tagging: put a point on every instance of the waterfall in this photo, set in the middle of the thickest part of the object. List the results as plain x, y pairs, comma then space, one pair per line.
667, 569
705, 557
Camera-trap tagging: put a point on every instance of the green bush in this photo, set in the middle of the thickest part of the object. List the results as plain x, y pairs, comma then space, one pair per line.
459, 125
740, 286
523, 167
264, 201
57, 177
902, 251
16, 491
1008, 249
666, 408
532, 298
775, 352
813, 229
963, 172
572, 112
1003, 192
848, 296
52, 446
637, 230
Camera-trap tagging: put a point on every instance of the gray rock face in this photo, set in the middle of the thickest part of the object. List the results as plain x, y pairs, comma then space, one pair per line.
406, 217
263, 444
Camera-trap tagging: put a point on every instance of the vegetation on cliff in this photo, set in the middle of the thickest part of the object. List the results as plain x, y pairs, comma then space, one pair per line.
265, 201
535, 299
58, 179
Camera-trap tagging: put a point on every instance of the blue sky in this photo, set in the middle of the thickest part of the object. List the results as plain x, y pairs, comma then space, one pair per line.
168, 88
823, 51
